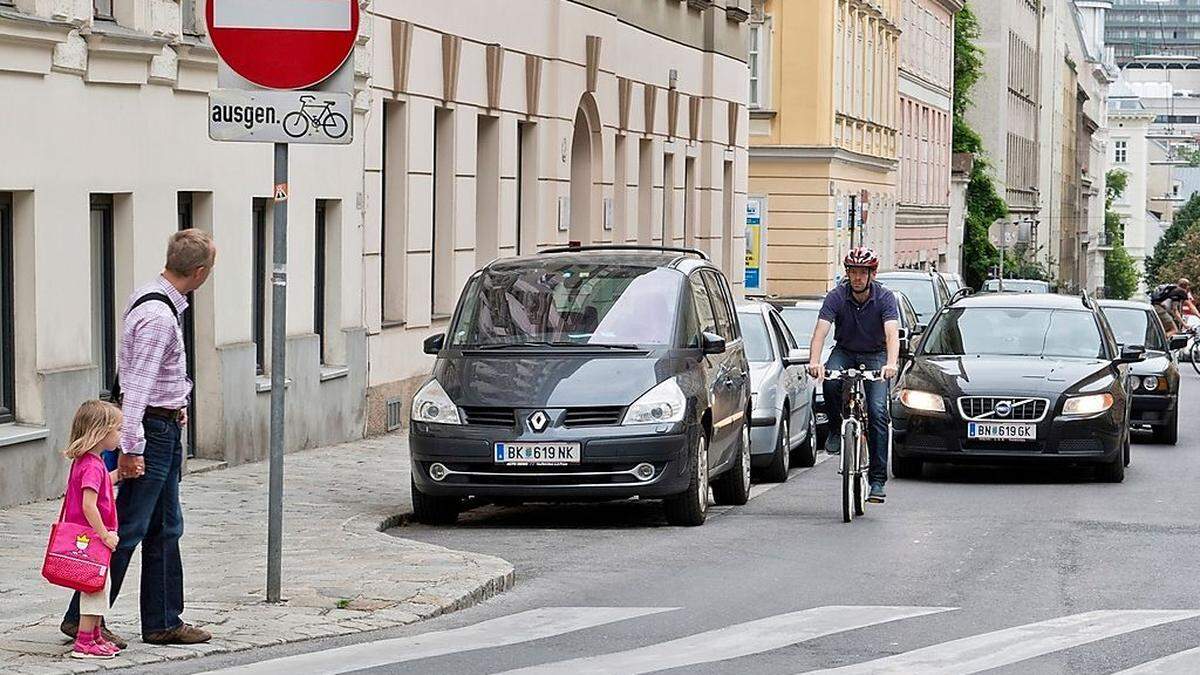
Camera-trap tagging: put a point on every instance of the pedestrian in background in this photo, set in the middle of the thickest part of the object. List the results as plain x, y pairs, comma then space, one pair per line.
89, 501
154, 391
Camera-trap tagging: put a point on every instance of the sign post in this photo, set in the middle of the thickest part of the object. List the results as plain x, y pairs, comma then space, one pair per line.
1003, 234
284, 76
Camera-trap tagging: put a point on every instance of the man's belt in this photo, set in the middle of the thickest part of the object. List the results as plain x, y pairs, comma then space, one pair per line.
165, 413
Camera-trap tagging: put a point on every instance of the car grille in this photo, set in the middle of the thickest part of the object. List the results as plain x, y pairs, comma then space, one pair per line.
1080, 445
1021, 409
593, 417
490, 417
595, 473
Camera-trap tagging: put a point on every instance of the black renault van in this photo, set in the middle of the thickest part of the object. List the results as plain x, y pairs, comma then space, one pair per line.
586, 373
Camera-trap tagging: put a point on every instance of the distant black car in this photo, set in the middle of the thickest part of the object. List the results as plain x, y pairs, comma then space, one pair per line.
1155, 381
1015, 378
927, 291
594, 373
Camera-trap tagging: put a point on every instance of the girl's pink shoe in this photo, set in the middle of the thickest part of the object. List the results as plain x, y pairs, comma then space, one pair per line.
90, 650
108, 646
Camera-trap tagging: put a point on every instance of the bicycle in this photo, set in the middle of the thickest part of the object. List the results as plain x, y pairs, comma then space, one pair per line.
1192, 349
855, 459
299, 122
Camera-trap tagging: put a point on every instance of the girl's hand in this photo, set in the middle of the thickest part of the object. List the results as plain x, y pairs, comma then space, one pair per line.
110, 540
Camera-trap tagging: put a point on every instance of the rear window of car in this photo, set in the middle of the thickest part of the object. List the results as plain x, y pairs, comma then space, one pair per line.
802, 321
1134, 327
919, 292
1015, 331
565, 301
758, 340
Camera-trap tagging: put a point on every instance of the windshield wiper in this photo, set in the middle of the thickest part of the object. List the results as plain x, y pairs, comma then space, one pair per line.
554, 344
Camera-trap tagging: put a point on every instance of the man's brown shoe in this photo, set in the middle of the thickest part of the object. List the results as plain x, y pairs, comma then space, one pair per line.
183, 634
70, 629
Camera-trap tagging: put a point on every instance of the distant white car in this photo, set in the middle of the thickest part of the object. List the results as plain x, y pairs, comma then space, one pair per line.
954, 281
1017, 286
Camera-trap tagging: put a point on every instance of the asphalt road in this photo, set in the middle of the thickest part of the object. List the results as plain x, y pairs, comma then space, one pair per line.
1009, 570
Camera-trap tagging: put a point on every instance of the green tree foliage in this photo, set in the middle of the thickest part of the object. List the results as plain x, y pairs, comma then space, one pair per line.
1120, 274
1167, 252
1187, 263
984, 205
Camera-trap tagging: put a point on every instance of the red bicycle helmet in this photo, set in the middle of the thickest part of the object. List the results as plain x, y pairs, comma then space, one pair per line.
862, 257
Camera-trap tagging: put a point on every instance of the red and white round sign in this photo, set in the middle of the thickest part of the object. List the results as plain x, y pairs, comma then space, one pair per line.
283, 44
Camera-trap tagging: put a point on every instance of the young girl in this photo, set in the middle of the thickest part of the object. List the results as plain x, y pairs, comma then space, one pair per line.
89, 501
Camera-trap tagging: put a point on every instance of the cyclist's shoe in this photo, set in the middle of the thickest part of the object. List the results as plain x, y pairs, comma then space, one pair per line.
877, 494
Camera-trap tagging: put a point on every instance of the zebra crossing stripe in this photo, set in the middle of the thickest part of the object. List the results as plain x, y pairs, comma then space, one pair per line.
1012, 645
503, 631
744, 639
1181, 663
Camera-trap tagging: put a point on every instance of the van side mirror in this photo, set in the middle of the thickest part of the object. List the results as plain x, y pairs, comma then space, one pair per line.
1132, 354
797, 357
434, 343
1178, 342
711, 343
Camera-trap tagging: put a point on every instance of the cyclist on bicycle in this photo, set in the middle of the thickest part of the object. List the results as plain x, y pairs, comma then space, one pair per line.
866, 321
1171, 302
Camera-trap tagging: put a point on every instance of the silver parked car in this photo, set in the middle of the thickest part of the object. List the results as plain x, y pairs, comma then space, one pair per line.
783, 425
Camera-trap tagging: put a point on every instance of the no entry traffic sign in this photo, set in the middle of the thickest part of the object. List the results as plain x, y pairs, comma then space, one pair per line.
283, 44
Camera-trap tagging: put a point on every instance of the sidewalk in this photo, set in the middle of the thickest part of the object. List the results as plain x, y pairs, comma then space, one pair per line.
340, 573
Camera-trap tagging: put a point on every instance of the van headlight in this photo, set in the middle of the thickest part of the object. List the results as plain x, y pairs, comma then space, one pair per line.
663, 404
433, 405
1088, 405
922, 400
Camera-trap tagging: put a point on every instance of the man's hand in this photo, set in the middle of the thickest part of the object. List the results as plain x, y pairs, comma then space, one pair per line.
110, 540
131, 466
889, 371
816, 370
183, 417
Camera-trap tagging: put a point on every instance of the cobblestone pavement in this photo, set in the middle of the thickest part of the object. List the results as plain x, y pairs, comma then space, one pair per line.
341, 574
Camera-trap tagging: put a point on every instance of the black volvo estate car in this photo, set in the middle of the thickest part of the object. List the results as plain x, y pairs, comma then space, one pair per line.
587, 373
1000, 378
1155, 381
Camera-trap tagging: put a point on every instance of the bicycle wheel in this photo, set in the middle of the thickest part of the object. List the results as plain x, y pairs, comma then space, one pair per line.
1196, 355
860, 477
335, 125
848, 473
295, 124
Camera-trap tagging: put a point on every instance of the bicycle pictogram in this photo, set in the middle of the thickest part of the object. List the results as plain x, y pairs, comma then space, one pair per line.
313, 115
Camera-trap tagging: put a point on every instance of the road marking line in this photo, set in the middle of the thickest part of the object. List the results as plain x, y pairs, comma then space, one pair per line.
1179, 663
744, 639
503, 631
282, 14
1012, 645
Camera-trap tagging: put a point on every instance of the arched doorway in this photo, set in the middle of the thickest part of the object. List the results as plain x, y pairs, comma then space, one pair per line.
586, 173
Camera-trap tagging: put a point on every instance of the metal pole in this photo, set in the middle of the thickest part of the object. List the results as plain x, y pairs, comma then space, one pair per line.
278, 374
1003, 248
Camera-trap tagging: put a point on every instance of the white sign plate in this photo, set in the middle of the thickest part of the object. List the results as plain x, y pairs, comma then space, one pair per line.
280, 116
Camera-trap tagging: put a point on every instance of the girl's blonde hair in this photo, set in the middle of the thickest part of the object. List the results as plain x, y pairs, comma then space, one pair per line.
93, 421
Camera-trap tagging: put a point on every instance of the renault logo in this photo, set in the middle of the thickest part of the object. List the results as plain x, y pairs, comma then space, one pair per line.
1004, 408
538, 421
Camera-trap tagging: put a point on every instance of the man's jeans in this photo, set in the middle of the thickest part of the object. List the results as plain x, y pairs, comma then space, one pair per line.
149, 514
877, 407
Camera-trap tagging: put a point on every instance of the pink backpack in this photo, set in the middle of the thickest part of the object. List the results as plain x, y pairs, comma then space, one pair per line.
75, 556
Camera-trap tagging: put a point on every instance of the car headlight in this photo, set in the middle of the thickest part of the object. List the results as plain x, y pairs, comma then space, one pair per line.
1088, 405
663, 404
922, 400
1150, 383
433, 405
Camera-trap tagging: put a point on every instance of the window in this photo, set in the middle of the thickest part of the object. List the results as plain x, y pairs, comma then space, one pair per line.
703, 304
668, 200
7, 318
758, 340
319, 248
185, 203
103, 9
442, 260
187, 11
720, 306
527, 188
258, 283
394, 221
487, 190
689, 201
645, 192
1121, 152
755, 63
104, 324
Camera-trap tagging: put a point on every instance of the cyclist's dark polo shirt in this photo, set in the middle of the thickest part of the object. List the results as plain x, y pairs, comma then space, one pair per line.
859, 328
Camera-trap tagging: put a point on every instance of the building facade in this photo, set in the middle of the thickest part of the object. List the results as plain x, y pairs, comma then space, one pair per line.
1130, 151
926, 86
507, 127
824, 135
105, 154
1143, 27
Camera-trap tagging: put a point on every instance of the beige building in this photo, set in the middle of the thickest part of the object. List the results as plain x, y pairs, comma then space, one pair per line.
824, 134
500, 128
926, 86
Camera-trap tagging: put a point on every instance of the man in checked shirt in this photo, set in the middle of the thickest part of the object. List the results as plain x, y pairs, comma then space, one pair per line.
155, 389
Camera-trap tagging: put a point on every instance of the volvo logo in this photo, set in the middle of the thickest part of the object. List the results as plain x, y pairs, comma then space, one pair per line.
538, 421
1003, 408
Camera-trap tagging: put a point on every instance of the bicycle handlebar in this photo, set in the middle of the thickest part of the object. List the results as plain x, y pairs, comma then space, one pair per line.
854, 373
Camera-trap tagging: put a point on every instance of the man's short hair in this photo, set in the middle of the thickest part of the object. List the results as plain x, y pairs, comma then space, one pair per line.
1184, 284
188, 250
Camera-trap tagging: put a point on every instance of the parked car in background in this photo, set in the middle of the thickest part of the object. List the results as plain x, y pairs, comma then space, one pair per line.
800, 315
1017, 286
591, 373
954, 281
783, 425
1002, 378
926, 290
1155, 381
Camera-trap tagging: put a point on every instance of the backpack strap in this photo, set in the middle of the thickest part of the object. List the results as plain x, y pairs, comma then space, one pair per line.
150, 297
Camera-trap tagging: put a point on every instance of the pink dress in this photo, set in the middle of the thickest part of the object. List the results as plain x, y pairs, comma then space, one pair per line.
89, 471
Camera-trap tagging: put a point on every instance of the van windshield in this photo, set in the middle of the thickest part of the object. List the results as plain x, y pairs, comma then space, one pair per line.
563, 302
